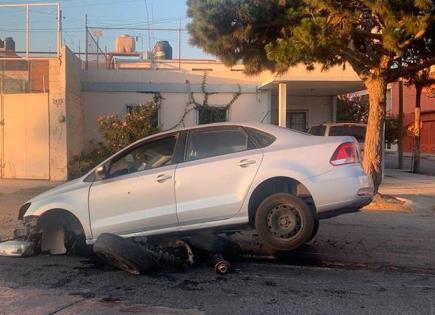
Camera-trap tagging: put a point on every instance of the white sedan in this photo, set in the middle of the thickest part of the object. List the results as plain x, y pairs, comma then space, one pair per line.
217, 177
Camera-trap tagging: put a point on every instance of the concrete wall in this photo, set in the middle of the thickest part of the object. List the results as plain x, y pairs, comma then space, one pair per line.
57, 118
74, 109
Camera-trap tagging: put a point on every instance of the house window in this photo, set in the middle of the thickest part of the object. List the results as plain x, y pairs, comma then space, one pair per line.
297, 120
155, 118
208, 115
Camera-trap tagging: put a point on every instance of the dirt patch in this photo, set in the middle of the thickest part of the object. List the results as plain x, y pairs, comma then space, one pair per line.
387, 203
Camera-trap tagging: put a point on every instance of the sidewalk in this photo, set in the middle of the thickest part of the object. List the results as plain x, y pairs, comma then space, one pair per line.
418, 189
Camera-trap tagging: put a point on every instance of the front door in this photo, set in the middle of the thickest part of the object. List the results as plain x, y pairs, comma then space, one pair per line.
137, 193
24, 136
213, 182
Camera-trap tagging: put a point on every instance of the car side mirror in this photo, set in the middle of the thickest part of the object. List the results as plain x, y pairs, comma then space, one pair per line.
100, 172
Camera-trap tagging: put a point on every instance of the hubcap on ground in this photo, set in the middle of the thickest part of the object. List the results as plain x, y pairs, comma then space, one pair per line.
284, 221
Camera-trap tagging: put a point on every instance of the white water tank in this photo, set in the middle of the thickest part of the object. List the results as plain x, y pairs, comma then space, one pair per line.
125, 44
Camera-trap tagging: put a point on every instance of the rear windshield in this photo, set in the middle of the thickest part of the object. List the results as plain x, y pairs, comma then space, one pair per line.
317, 131
358, 132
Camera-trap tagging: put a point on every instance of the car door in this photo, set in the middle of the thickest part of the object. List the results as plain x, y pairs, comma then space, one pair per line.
213, 181
137, 193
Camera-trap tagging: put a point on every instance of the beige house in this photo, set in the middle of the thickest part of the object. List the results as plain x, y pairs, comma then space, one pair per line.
41, 132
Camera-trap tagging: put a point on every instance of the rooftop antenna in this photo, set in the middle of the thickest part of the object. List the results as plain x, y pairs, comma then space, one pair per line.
148, 23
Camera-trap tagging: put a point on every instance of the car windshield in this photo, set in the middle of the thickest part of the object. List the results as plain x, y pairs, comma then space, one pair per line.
358, 132
317, 130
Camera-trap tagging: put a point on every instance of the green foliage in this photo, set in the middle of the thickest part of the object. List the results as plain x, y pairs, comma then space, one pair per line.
352, 109
118, 132
84, 162
390, 36
392, 126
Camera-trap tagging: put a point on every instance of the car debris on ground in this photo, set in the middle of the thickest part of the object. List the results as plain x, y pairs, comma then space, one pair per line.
138, 256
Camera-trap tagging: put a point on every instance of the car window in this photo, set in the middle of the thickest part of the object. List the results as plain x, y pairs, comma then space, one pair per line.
263, 139
358, 132
150, 155
317, 130
205, 143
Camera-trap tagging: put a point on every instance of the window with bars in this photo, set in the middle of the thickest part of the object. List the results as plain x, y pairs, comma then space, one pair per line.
208, 115
297, 120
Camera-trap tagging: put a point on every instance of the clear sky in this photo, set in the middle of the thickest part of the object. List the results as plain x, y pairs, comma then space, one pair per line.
101, 13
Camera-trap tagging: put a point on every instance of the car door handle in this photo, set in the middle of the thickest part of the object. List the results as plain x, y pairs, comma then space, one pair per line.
163, 178
246, 162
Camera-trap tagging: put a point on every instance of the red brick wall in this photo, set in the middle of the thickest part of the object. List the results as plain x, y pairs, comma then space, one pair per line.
39, 76
427, 141
427, 102
427, 116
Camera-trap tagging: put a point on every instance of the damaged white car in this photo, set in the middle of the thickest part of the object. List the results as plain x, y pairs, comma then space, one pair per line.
219, 177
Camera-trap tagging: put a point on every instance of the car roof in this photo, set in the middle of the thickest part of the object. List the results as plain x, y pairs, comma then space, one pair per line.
256, 125
340, 124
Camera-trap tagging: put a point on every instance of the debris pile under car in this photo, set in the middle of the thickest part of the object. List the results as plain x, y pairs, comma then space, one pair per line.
139, 256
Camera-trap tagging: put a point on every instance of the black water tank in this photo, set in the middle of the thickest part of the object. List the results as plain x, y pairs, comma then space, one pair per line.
9, 44
163, 50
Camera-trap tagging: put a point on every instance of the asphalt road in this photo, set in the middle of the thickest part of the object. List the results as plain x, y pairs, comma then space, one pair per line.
370, 262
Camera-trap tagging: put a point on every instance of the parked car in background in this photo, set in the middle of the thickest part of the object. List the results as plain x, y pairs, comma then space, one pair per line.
358, 131
219, 177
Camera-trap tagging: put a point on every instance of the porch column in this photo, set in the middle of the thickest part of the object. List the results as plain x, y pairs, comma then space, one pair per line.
334, 108
282, 105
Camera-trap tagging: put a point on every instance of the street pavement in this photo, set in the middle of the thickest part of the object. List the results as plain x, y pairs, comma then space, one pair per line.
370, 262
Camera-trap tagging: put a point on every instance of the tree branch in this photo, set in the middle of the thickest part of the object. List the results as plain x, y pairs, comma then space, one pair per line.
394, 74
417, 36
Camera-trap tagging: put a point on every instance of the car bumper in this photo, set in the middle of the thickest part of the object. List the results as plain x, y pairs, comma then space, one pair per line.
354, 207
342, 190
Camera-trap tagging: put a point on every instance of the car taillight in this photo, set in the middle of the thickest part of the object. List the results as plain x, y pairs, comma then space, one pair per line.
346, 153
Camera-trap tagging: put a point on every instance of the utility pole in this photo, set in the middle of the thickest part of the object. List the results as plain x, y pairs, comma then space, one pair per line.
27, 31
400, 136
59, 30
86, 42
179, 46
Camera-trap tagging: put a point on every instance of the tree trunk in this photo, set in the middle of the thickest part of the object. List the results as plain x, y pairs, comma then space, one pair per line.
373, 146
417, 131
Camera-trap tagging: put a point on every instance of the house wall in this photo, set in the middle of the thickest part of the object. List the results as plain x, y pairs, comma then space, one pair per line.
319, 108
248, 107
108, 92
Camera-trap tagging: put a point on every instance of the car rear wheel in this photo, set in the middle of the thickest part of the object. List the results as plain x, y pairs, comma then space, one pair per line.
284, 222
123, 254
315, 229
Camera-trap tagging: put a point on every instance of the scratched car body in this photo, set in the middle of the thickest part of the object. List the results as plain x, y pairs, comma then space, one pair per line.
210, 177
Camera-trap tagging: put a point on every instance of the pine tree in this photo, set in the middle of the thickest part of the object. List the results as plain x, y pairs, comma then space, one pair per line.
382, 40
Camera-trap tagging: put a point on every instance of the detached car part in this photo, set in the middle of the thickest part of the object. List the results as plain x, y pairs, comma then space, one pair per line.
17, 248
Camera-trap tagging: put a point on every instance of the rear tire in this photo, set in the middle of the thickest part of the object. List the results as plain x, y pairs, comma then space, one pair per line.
123, 254
315, 229
284, 222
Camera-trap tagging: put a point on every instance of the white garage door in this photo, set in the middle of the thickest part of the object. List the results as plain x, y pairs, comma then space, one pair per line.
25, 136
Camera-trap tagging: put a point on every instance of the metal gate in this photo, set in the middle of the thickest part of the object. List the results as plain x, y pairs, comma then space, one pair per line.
24, 136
